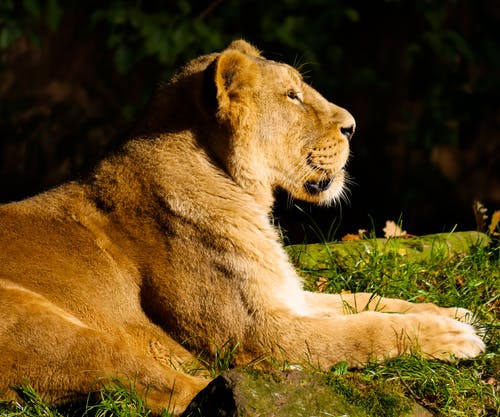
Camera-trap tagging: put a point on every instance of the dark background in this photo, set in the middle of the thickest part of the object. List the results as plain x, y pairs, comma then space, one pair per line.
421, 77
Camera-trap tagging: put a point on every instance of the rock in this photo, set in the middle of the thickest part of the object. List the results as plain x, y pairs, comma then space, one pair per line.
220, 398
291, 393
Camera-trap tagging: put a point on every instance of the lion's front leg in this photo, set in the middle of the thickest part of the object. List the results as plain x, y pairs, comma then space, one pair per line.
369, 335
326, 304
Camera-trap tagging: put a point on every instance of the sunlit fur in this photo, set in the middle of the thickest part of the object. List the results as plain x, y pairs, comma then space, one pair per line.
166, 250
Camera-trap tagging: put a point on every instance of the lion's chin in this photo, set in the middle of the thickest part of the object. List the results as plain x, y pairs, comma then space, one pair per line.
322, 193
317, 187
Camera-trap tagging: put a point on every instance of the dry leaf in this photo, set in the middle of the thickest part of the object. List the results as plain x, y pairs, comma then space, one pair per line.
321, 283
480, 213
494, 225
391, 229
350, 236
491, 381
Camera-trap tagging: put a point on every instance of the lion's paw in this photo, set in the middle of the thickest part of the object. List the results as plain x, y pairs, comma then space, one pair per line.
461, 314
447, 338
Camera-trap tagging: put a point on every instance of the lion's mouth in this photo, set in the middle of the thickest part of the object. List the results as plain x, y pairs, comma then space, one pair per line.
316, 187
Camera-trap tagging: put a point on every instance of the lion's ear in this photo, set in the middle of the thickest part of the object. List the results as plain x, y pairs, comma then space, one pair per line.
235, 76
245, 47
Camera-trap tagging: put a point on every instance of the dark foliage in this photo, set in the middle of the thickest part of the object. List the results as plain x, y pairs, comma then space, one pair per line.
422, 78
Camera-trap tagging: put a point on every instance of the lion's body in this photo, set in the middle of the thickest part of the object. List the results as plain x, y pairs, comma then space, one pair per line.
170, 242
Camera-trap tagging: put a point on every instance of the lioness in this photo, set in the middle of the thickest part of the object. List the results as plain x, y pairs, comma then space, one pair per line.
167, 248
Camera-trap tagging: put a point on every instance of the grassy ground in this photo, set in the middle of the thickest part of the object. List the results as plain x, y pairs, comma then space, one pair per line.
468, 279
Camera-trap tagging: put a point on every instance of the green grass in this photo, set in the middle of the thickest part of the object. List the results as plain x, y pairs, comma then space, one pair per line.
469, 279
119, 399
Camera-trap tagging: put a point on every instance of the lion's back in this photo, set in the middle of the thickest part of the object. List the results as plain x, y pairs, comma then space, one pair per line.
44, 248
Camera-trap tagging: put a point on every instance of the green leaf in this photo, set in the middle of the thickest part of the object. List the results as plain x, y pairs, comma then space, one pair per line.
6, 5
123, 59
32, 7
340, 368
53, 14
8, 35
461, 45
351, 14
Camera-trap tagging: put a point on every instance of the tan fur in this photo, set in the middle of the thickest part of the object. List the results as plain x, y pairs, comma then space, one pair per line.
169, 243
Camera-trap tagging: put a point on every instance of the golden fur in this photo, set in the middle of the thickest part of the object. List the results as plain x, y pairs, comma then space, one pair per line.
167, 249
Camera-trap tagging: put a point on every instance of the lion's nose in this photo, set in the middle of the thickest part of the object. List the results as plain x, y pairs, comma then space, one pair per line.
348, 131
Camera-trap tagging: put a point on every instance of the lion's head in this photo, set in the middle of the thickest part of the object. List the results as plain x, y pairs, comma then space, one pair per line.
285, 133
265, 125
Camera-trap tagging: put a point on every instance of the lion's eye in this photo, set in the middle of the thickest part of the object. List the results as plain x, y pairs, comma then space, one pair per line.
294, 95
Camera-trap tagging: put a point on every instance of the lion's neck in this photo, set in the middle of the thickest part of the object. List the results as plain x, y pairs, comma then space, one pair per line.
149, 173
260, 192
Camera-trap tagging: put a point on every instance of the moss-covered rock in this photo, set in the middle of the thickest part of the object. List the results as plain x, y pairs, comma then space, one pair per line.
297, 393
